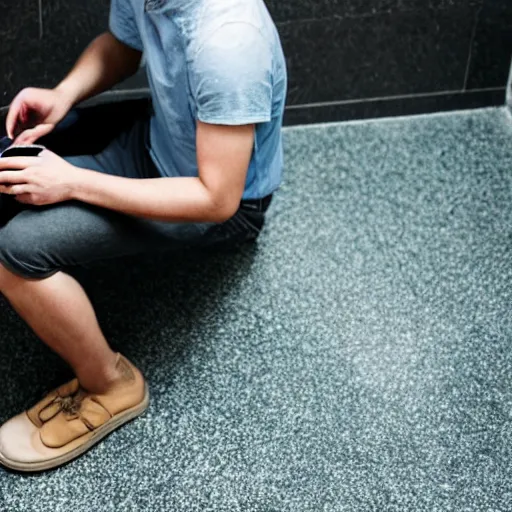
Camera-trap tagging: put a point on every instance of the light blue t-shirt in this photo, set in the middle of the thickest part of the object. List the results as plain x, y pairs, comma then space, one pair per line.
217, 61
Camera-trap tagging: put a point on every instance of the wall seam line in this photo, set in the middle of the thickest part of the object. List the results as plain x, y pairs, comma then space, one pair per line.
470, 52
41, 24
389, 98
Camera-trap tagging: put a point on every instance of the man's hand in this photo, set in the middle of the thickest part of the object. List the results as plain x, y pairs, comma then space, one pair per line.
40, 180
35, 112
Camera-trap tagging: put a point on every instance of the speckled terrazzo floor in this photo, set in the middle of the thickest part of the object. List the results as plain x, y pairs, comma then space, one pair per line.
359, 358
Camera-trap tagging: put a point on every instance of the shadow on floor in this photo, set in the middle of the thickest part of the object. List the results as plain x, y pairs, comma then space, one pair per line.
134, 297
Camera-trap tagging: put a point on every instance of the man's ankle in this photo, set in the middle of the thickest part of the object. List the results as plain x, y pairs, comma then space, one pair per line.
103, 377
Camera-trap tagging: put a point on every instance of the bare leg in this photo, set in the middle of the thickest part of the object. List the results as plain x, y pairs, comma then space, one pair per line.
59, 312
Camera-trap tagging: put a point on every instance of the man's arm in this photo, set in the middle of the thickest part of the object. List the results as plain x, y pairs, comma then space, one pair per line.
104, 63
223, 156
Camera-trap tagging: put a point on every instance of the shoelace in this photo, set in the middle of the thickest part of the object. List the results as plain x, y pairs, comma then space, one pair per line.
71, 405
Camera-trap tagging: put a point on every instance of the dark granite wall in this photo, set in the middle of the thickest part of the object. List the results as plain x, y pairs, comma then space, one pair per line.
347, 58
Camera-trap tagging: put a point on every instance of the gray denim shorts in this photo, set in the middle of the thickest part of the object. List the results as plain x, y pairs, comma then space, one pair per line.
36, 242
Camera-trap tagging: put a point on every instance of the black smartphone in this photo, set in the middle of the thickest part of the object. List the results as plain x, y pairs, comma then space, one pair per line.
29, 150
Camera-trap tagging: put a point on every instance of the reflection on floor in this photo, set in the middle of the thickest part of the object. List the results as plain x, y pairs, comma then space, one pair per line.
357, 358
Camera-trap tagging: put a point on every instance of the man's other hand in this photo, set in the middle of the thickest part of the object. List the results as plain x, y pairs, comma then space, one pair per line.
34, 113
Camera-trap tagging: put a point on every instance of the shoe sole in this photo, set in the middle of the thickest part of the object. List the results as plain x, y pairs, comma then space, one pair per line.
98, 434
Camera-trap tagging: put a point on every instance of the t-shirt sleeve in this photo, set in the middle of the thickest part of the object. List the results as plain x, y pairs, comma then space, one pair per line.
231, 76
123, 25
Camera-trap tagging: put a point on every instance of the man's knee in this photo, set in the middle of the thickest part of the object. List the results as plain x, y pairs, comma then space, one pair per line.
21, 253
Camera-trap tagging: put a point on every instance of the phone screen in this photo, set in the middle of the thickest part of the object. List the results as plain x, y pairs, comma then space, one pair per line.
32, 150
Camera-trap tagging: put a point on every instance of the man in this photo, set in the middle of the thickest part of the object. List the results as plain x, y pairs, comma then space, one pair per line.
200, 170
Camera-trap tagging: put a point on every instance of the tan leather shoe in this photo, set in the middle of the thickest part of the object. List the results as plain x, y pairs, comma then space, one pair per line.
70, 420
